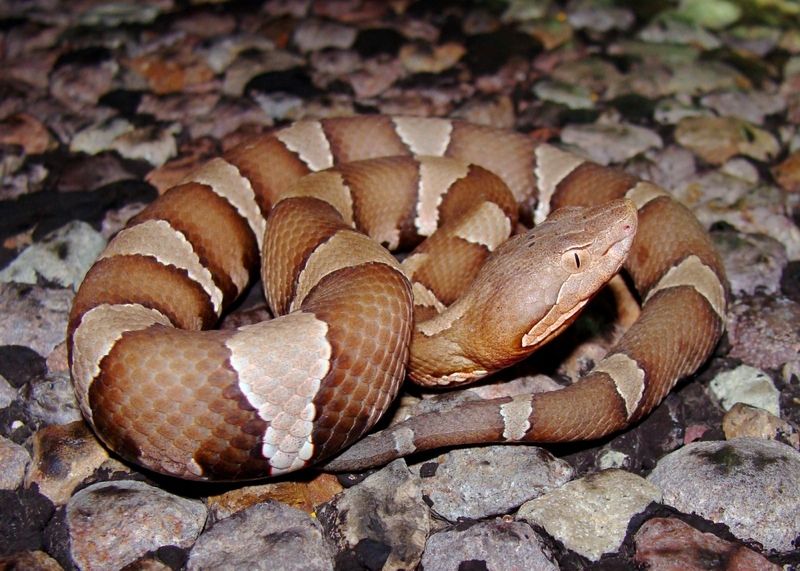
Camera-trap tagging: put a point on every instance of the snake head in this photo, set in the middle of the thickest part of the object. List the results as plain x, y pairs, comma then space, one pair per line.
530, 289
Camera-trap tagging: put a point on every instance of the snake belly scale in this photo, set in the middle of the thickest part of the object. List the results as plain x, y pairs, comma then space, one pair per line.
166, 393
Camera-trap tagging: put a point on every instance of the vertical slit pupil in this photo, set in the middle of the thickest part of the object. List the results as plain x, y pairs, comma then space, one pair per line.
577, 259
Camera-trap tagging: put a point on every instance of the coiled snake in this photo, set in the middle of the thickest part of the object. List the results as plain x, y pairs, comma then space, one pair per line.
281, 395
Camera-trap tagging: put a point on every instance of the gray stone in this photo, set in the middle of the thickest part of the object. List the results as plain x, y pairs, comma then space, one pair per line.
382, 522
14, 459
473, 483
313, 35
495, 544
763, 330
591, 515
61, 257
607, 143
51, 399
265, 536
746, 385
114, 523
8, 394
748, 484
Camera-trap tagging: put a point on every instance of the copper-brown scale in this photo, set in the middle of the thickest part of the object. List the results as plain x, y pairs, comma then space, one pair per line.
368, 309
221, 238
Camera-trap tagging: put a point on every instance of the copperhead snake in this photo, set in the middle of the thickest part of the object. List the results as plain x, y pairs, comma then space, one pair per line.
277, 396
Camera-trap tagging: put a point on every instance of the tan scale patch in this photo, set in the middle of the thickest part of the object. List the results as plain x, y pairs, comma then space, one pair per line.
226, 181
280, 364
343, 250
424, 135
444, 320
308, 140
550, 323
693, 272
552, 166
158, 239
412, 263
328, 186
488, 226
426, 298
100, 329
436, 175
516, 415
404, 441
461, 378
628, 378
644, 192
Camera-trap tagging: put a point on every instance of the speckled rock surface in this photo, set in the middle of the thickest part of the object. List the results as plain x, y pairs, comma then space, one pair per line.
113, 523
475, 483
380, 523
591, 515
493, 544
265, 536
750, 485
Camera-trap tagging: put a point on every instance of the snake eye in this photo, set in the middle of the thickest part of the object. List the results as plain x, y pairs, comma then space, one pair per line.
574, 260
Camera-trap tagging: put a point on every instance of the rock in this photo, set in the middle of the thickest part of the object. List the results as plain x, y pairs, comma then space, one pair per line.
90, 172
704, 77
112, 14
381, 523
61, 257
314, 35
265, 536
113, 523
716, 139
591, 515
63, 457
424, 58
497, 112
745, 420
669, 111
592, 73
746, 385
668, 30
80, 85
552, 32
599, 18
497, 544
750, 485
181, 69
29, 561
668, 544
26, 131
787, 172
473, 483
377, 75
763, 330
51, 399
244, 69
8, 394
752, 261
99, 137
713, 14
607, 143
152, 144
33, 316
14, 459
303, 495
758, 40
752, 106
573, 96
25, 514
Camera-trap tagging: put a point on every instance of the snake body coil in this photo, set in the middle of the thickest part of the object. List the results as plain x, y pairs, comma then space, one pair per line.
281, 395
